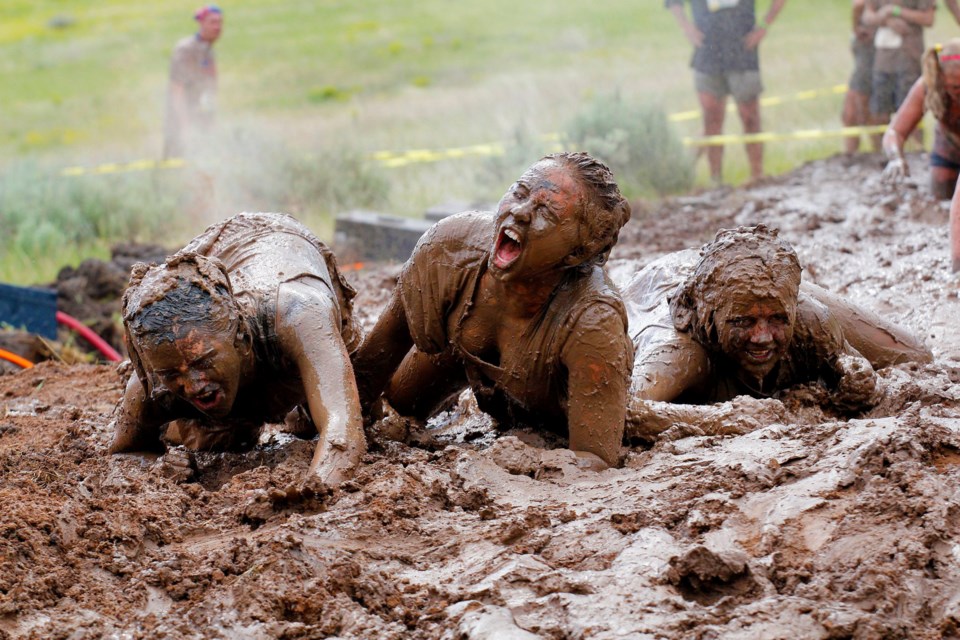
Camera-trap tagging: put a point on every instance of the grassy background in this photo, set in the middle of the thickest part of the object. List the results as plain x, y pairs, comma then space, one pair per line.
307, 85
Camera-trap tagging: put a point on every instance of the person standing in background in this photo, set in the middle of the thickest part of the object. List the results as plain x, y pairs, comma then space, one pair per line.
899, 47
725, 35
192, 92
856, 103
954, 9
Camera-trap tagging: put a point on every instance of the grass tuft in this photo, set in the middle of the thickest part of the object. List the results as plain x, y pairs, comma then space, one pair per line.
636, 141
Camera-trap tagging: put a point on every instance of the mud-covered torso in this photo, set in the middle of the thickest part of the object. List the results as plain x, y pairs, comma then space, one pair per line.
261, 251
515, 369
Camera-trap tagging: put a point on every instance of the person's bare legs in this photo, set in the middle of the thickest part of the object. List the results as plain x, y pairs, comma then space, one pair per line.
855, 112
714, 110
750, 116
943, 181
876, 139
955, 232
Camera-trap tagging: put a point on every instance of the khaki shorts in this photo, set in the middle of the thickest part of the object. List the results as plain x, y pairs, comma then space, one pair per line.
744, 86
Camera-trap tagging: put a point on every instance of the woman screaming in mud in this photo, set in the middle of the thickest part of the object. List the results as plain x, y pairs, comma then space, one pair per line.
251, 322
736, 320
517, 306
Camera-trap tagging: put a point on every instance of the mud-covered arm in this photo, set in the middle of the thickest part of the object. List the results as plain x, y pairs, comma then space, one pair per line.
651, 420
137, 421
880, 341
597, 358
668, 364
308, 328
382, 351
904, 121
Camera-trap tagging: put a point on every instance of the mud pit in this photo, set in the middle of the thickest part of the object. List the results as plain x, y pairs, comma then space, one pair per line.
818, 528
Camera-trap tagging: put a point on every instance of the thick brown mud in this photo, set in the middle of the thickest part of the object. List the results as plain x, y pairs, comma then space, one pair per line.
809, 526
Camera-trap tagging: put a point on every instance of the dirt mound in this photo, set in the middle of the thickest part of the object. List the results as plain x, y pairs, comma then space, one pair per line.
91, 292
814, 528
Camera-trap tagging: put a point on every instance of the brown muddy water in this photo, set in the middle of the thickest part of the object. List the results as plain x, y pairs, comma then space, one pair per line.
813, 527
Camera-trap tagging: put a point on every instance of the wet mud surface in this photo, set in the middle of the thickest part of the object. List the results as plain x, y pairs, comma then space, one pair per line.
809, 526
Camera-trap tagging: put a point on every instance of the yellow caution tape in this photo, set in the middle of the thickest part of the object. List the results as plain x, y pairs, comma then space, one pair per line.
810, 94
138, 165
393, 159
803, 134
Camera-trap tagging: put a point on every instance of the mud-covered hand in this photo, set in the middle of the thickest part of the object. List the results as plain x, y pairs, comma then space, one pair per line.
741, 415
591, 461
859, 387
178, 464
336, 459
643, 421
896, 171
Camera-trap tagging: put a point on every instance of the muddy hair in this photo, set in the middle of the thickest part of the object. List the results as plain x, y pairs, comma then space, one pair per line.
937, 101
724, 265
162, 303
607, 210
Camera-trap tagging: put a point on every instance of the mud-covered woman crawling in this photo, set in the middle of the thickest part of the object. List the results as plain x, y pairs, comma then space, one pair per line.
250, 323
736, 321
517, 306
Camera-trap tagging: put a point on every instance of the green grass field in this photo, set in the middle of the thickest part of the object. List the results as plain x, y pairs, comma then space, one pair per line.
308, 83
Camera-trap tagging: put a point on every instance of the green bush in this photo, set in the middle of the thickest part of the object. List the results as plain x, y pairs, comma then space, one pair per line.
260, 174
636, 141
42, 212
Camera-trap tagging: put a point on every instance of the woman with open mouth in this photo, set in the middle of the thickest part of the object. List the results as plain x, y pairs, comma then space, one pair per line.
517, 306
250, 323
734, 319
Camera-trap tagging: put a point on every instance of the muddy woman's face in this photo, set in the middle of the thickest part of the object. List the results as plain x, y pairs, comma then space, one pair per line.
538, 222
755, 333
202, 367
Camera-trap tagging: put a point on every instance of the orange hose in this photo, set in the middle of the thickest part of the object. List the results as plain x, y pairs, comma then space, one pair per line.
15, 359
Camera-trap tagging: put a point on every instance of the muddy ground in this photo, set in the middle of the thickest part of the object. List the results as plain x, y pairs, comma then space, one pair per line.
820, 528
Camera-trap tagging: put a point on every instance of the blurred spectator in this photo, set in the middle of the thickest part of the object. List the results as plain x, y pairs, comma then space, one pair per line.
899, 46
192, 93
856, 104
954, 9
725, 35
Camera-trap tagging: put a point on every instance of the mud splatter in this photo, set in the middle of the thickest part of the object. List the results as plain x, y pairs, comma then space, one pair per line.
809, 526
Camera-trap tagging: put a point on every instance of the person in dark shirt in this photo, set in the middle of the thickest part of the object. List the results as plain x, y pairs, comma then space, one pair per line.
725, 35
